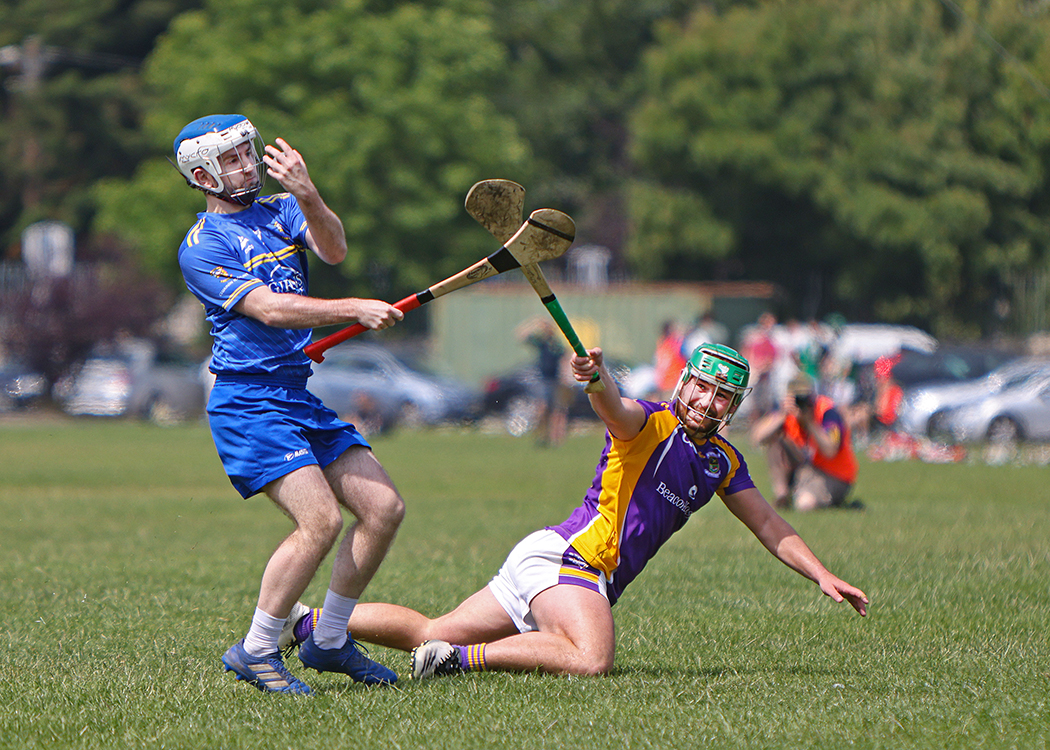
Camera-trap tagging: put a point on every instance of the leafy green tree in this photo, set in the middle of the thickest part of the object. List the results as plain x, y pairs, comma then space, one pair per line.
71, 103
388, 103
879, 158
571, 82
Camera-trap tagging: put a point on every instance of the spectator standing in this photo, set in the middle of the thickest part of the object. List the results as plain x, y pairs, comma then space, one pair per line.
551, 364
760, 349
669, 360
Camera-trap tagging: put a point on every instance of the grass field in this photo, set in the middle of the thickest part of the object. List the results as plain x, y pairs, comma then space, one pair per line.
128, 565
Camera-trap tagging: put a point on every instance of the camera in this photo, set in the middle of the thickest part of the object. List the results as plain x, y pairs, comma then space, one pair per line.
803, 400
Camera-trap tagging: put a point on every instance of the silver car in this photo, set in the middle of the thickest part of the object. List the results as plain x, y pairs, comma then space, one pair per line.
369, 386
925, 408
137, 381
1018, 413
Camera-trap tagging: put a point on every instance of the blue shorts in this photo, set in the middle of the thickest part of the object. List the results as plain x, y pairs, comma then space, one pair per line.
265, 428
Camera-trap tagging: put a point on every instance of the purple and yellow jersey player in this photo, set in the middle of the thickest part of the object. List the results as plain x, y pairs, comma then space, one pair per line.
644, 490
550, 605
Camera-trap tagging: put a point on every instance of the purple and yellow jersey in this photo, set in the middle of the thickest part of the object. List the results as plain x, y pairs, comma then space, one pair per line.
644, 490
225, 256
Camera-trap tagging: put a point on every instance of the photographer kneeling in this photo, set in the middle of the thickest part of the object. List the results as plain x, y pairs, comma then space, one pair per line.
809, 450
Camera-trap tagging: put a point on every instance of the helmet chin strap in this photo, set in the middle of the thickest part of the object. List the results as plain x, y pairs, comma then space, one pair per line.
244, 197
241, 197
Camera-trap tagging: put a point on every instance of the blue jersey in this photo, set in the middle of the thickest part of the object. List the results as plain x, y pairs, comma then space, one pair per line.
225, 256
644, 490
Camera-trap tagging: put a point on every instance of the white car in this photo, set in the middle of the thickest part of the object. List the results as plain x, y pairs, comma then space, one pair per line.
924, 409
1013, 414
866, 342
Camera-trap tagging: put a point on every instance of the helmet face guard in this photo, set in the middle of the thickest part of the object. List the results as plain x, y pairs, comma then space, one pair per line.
721, 367
202, 144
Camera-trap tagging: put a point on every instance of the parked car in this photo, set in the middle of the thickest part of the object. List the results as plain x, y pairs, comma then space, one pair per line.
863, 343
100, 387
369, 386
1021, 412
20, 386
924, 408
948, 364
134, 379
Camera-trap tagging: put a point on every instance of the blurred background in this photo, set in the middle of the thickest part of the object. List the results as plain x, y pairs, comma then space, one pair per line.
863, 186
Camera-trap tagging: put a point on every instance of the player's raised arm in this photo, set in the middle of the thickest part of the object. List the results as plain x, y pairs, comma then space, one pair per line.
325, 236
624, 417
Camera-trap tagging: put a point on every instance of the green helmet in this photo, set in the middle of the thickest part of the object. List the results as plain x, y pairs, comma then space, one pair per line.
720, 366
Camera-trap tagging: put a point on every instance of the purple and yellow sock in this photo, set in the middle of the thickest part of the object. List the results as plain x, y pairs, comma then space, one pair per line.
306, 625
472, 658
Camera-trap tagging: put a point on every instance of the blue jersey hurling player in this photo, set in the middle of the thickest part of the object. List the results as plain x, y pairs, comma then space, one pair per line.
245, 260
549, 607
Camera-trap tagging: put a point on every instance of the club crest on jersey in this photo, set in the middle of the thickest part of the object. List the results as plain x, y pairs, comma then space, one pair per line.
713, 468
219, 273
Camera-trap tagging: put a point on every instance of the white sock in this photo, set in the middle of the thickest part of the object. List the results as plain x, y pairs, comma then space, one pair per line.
263, 634
335, 617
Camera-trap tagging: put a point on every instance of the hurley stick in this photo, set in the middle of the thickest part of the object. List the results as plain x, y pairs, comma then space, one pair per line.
546, 234
498, 206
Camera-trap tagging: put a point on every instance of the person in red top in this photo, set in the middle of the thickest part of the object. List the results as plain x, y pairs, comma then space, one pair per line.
809, 449
888, 393
669, 359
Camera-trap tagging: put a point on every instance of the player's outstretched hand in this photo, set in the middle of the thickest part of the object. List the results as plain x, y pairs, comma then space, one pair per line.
583, 368
839, 591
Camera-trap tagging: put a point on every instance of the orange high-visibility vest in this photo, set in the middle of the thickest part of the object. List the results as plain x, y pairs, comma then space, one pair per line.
843, 465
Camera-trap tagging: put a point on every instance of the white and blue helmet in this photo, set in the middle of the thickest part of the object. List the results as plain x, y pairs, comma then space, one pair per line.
200, 144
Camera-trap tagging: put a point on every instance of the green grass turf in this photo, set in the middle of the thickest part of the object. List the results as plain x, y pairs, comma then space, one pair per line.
128, 565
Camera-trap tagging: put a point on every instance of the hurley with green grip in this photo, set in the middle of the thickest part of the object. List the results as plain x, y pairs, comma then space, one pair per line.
498, 206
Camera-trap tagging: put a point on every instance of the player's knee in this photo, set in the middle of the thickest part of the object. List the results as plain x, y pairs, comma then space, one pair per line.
594, 668
394, 510
805, 501
318, 534
593, 664
386, 512
328, 527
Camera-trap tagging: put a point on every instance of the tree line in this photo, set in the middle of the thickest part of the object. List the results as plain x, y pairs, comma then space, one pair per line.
884, 159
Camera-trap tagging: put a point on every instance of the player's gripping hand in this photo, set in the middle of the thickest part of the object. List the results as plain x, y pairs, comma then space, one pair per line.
583, 368
376, 314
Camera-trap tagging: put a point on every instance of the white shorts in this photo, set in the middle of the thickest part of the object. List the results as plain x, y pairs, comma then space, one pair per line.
539, 561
